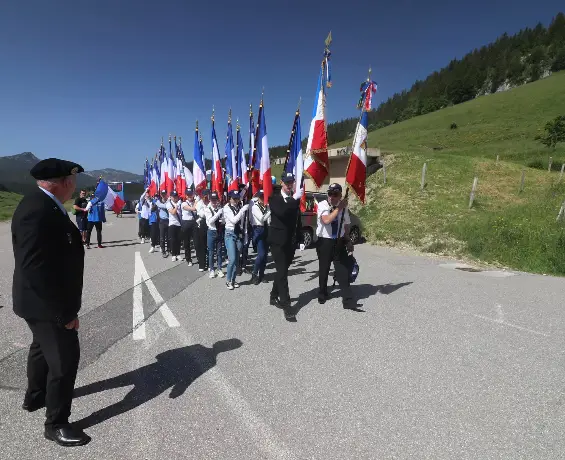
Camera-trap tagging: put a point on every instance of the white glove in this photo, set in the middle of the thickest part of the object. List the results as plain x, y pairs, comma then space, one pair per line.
244, 208
298, 194
302, 246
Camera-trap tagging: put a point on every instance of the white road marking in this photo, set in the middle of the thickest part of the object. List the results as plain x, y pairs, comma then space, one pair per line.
164, 309
138, 315
500, 320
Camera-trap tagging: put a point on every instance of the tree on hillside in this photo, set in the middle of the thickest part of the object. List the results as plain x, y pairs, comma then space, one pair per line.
559, 61
554, 132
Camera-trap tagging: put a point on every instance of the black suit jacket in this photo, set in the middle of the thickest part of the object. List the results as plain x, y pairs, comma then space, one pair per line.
49, 261
286, 221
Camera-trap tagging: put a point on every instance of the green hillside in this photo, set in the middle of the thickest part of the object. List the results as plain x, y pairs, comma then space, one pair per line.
505, 226
8, 203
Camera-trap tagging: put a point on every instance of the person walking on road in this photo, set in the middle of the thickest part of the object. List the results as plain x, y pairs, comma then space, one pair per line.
332, 247
233, 214
215, 222
47, 293
153, 223
163, 223
188, 225
201, 231
96, 217
284, 232
81, 214
174, 208
260, 218
144, 214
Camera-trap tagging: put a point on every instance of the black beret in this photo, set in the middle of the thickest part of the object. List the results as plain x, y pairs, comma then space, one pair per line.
52, 168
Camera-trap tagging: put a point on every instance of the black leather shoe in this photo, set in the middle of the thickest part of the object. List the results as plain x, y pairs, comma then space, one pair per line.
275, 302
289, 314
256, 280
31, 405
67, 436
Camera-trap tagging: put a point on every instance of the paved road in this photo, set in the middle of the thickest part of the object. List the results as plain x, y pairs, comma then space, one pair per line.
442, 363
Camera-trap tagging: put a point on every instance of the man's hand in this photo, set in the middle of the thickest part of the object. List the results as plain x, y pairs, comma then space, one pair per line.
74, 324
342, 204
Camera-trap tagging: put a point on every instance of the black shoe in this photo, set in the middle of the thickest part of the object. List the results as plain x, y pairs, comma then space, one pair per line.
257, 280
67, 436
31, 405
352, 305
165, 255
289, 314
275, 302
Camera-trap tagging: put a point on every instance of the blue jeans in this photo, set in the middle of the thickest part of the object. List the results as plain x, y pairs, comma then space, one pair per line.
214, 246
260, 241
233, 247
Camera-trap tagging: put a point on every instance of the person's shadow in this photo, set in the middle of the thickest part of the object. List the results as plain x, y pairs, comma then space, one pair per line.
175, 369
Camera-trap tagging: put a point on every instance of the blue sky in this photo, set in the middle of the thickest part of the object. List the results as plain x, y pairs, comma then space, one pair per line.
100, 81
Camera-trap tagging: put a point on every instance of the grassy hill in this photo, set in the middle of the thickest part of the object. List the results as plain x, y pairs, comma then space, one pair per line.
10, 200
505, 226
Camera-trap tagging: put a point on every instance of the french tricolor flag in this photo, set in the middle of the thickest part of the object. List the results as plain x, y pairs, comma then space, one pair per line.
357, 168
242, 163
263, 154
110, 198
217, 175
198, 171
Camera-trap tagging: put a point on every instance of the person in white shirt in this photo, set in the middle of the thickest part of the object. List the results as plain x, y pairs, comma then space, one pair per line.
332, 247
201, 231
144, 209
188, 224
260, 218
215, 222
174, 208
233, 214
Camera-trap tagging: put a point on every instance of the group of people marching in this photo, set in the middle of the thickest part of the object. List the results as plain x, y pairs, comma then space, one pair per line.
218, 226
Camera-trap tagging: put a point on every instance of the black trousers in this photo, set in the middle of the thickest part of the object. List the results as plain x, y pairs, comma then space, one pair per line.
174, 235
330, 250
143, 231
154, 232
164, 233
201, 245
89, 228
52, 366
282, 256
187, 229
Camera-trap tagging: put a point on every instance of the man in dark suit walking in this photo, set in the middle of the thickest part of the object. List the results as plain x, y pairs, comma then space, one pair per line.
284, 233
47, 294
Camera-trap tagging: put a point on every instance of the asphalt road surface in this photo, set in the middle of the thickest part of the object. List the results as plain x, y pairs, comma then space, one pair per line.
442, 363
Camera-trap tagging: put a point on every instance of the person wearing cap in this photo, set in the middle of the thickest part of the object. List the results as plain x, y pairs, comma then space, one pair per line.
201, 233
164, 242
188, 225
284, 232
47, 294
96, 217
215, 223
175, 216
247, 231
334, 247
144, 213
233, 214
260, 218
153, 222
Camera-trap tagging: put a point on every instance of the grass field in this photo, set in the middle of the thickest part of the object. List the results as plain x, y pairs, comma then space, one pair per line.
9, 201
505, 226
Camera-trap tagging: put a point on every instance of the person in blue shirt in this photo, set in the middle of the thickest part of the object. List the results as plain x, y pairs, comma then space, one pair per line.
163, 223
96, 216
153, 222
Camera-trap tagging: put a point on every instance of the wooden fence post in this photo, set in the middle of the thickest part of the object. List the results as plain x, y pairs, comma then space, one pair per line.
550, 163
561, 212
497, 158
522, 180
473, 190
561, 173
424, 169
384, 172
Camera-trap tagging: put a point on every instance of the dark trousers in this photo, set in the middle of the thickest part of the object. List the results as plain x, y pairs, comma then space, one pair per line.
329, 251
282, 256
154, 232
143, 231
164, 234
52, 366
187, 230
174, 235
260, 242
98, 226
201, 245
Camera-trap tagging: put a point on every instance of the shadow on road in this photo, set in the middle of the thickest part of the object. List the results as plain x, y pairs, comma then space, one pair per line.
175, 369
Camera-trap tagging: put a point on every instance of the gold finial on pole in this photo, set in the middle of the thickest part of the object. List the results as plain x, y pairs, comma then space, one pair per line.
299, 103
197, 125
250, 110
229, 116
213, 111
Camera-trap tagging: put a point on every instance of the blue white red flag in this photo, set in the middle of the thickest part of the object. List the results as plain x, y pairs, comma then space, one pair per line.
217, 174
231, 160
110, 198
242, 163
263, 154
198, 171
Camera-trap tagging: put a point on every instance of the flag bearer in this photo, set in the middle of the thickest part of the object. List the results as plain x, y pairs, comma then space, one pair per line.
188, 224
174, 208
260, 218
163, 223
215, 222
201, 232
233, 215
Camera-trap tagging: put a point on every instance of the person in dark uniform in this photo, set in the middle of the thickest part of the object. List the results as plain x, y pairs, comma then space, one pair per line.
47, 294
284, 232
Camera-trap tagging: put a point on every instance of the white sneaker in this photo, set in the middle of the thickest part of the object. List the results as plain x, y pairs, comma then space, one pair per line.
174, 258
220, 274
235, 285
230, 286
212, 274
142, 240
200, 269
151, 249
190, 264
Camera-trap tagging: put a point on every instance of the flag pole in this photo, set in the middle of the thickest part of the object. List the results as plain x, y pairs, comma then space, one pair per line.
340, 226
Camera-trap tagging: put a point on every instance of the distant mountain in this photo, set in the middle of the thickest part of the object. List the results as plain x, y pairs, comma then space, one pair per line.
114, 175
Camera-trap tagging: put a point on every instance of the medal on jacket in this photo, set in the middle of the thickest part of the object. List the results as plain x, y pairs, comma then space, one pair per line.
70, 238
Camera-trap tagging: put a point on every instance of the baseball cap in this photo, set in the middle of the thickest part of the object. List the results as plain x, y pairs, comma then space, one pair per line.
288, 177
234, 194
214, 196
334, 188
163, 192
174, 193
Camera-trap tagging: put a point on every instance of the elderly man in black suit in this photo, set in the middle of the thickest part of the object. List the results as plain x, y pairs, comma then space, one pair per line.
47, 293
284, 233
